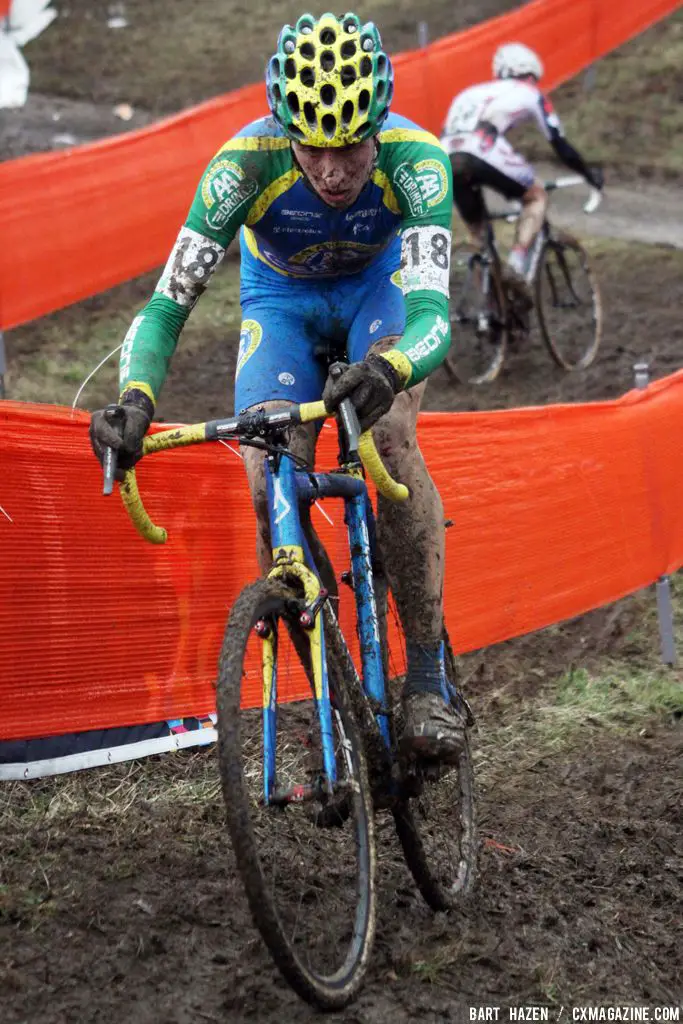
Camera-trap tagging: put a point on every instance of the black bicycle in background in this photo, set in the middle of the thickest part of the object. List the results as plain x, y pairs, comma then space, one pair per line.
485, 316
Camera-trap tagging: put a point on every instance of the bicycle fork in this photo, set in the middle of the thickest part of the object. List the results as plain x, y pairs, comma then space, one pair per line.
288, 560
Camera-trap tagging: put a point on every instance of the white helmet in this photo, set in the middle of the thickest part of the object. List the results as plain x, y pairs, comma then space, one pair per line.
513, 60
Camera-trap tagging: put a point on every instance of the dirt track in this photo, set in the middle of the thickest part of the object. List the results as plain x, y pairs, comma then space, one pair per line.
117, 897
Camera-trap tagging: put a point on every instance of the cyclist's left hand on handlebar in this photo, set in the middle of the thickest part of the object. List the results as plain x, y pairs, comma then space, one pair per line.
371, 385
123, 429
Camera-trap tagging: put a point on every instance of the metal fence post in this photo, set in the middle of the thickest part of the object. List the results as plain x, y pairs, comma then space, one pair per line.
3, 365
667, 643
422, 34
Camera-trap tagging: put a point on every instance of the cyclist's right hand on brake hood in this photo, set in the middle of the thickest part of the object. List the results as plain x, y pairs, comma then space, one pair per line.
123, 428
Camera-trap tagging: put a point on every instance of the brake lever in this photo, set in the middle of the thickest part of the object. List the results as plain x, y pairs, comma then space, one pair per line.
111, 457
347, 414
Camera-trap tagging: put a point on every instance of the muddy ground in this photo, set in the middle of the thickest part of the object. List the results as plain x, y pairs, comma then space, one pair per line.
118, 899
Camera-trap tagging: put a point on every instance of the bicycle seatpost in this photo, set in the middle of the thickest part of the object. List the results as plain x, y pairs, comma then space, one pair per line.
114, 414
348, 414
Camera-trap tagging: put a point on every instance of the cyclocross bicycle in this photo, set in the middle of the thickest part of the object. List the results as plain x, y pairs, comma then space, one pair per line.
485, 317
308, 743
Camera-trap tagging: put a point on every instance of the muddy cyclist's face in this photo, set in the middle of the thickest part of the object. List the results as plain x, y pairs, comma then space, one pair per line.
337, 174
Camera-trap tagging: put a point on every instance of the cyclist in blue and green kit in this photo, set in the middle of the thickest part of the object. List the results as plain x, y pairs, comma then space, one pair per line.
344, 211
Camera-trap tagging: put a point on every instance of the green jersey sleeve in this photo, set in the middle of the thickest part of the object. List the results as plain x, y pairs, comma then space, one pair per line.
229, 189
419, 174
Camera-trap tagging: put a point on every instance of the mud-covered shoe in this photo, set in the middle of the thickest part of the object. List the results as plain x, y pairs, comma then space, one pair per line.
518, 289
432, 729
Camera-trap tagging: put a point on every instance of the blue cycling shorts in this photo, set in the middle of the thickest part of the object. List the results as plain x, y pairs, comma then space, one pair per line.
285, 319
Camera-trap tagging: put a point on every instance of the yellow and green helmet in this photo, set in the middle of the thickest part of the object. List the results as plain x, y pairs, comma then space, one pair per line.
330, 83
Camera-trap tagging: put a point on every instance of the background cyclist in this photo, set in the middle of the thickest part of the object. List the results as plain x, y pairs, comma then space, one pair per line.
474, 136
332, 194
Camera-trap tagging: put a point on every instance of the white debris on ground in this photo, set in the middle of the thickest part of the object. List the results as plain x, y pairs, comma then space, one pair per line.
26, 20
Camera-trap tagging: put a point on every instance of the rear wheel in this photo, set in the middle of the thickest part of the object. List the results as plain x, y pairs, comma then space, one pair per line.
435, 817
306, 857
478, 315
568, 302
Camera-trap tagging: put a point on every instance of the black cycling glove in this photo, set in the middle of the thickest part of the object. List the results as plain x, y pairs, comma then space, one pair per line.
371, 385
123, 428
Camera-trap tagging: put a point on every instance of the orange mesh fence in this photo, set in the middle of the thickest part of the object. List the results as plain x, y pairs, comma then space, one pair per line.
82, 220
557, 510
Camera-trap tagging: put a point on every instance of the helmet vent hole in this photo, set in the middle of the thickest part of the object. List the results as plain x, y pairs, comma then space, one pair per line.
390, 91
293, 102
328, 37
380, 90
329, 125
367, 44
328, 94
277, 92
363, 100
327, 60
361, 132
275, 67
309, 114
348, 75
348, 49
307, 76
381, 63
290, 68
347, 113
307, 50
294, 130
350, 27
289, 46
365, 67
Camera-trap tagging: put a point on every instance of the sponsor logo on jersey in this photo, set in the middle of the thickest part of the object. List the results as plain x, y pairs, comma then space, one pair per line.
430, 342
424, 184
225, 188
432, 180
407, 183
308, 214
250, 339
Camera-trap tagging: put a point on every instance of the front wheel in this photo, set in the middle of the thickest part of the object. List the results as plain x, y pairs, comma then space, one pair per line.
478, 316
305, 854
568, 302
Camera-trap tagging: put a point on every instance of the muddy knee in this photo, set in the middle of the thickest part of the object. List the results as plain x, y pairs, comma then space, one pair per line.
395, 434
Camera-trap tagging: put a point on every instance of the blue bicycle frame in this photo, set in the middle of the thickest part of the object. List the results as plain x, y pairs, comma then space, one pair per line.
287, 489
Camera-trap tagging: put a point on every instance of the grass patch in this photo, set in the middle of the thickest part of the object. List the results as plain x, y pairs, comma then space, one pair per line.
49, 358
173, 53
631, 120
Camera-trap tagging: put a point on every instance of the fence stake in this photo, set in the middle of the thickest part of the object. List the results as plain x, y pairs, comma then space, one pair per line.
666, 620
667, 645
422, 34
3, 365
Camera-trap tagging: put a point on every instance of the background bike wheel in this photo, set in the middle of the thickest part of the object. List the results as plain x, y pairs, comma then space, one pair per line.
479, 332
568, 303
307, 868
436, 819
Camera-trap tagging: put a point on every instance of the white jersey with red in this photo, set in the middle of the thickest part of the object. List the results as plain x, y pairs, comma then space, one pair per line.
479, 118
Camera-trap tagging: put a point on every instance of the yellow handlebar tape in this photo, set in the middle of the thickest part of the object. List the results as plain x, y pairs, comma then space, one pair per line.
377, 471
310, 411
177, 437
137, 512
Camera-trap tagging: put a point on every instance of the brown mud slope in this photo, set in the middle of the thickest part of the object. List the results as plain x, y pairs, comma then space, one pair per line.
118, 907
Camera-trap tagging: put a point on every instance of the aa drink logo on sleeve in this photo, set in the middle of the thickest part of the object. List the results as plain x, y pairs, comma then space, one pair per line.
225, 188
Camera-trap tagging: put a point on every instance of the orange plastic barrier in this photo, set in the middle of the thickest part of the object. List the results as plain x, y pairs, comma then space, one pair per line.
82, 220
557, 510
